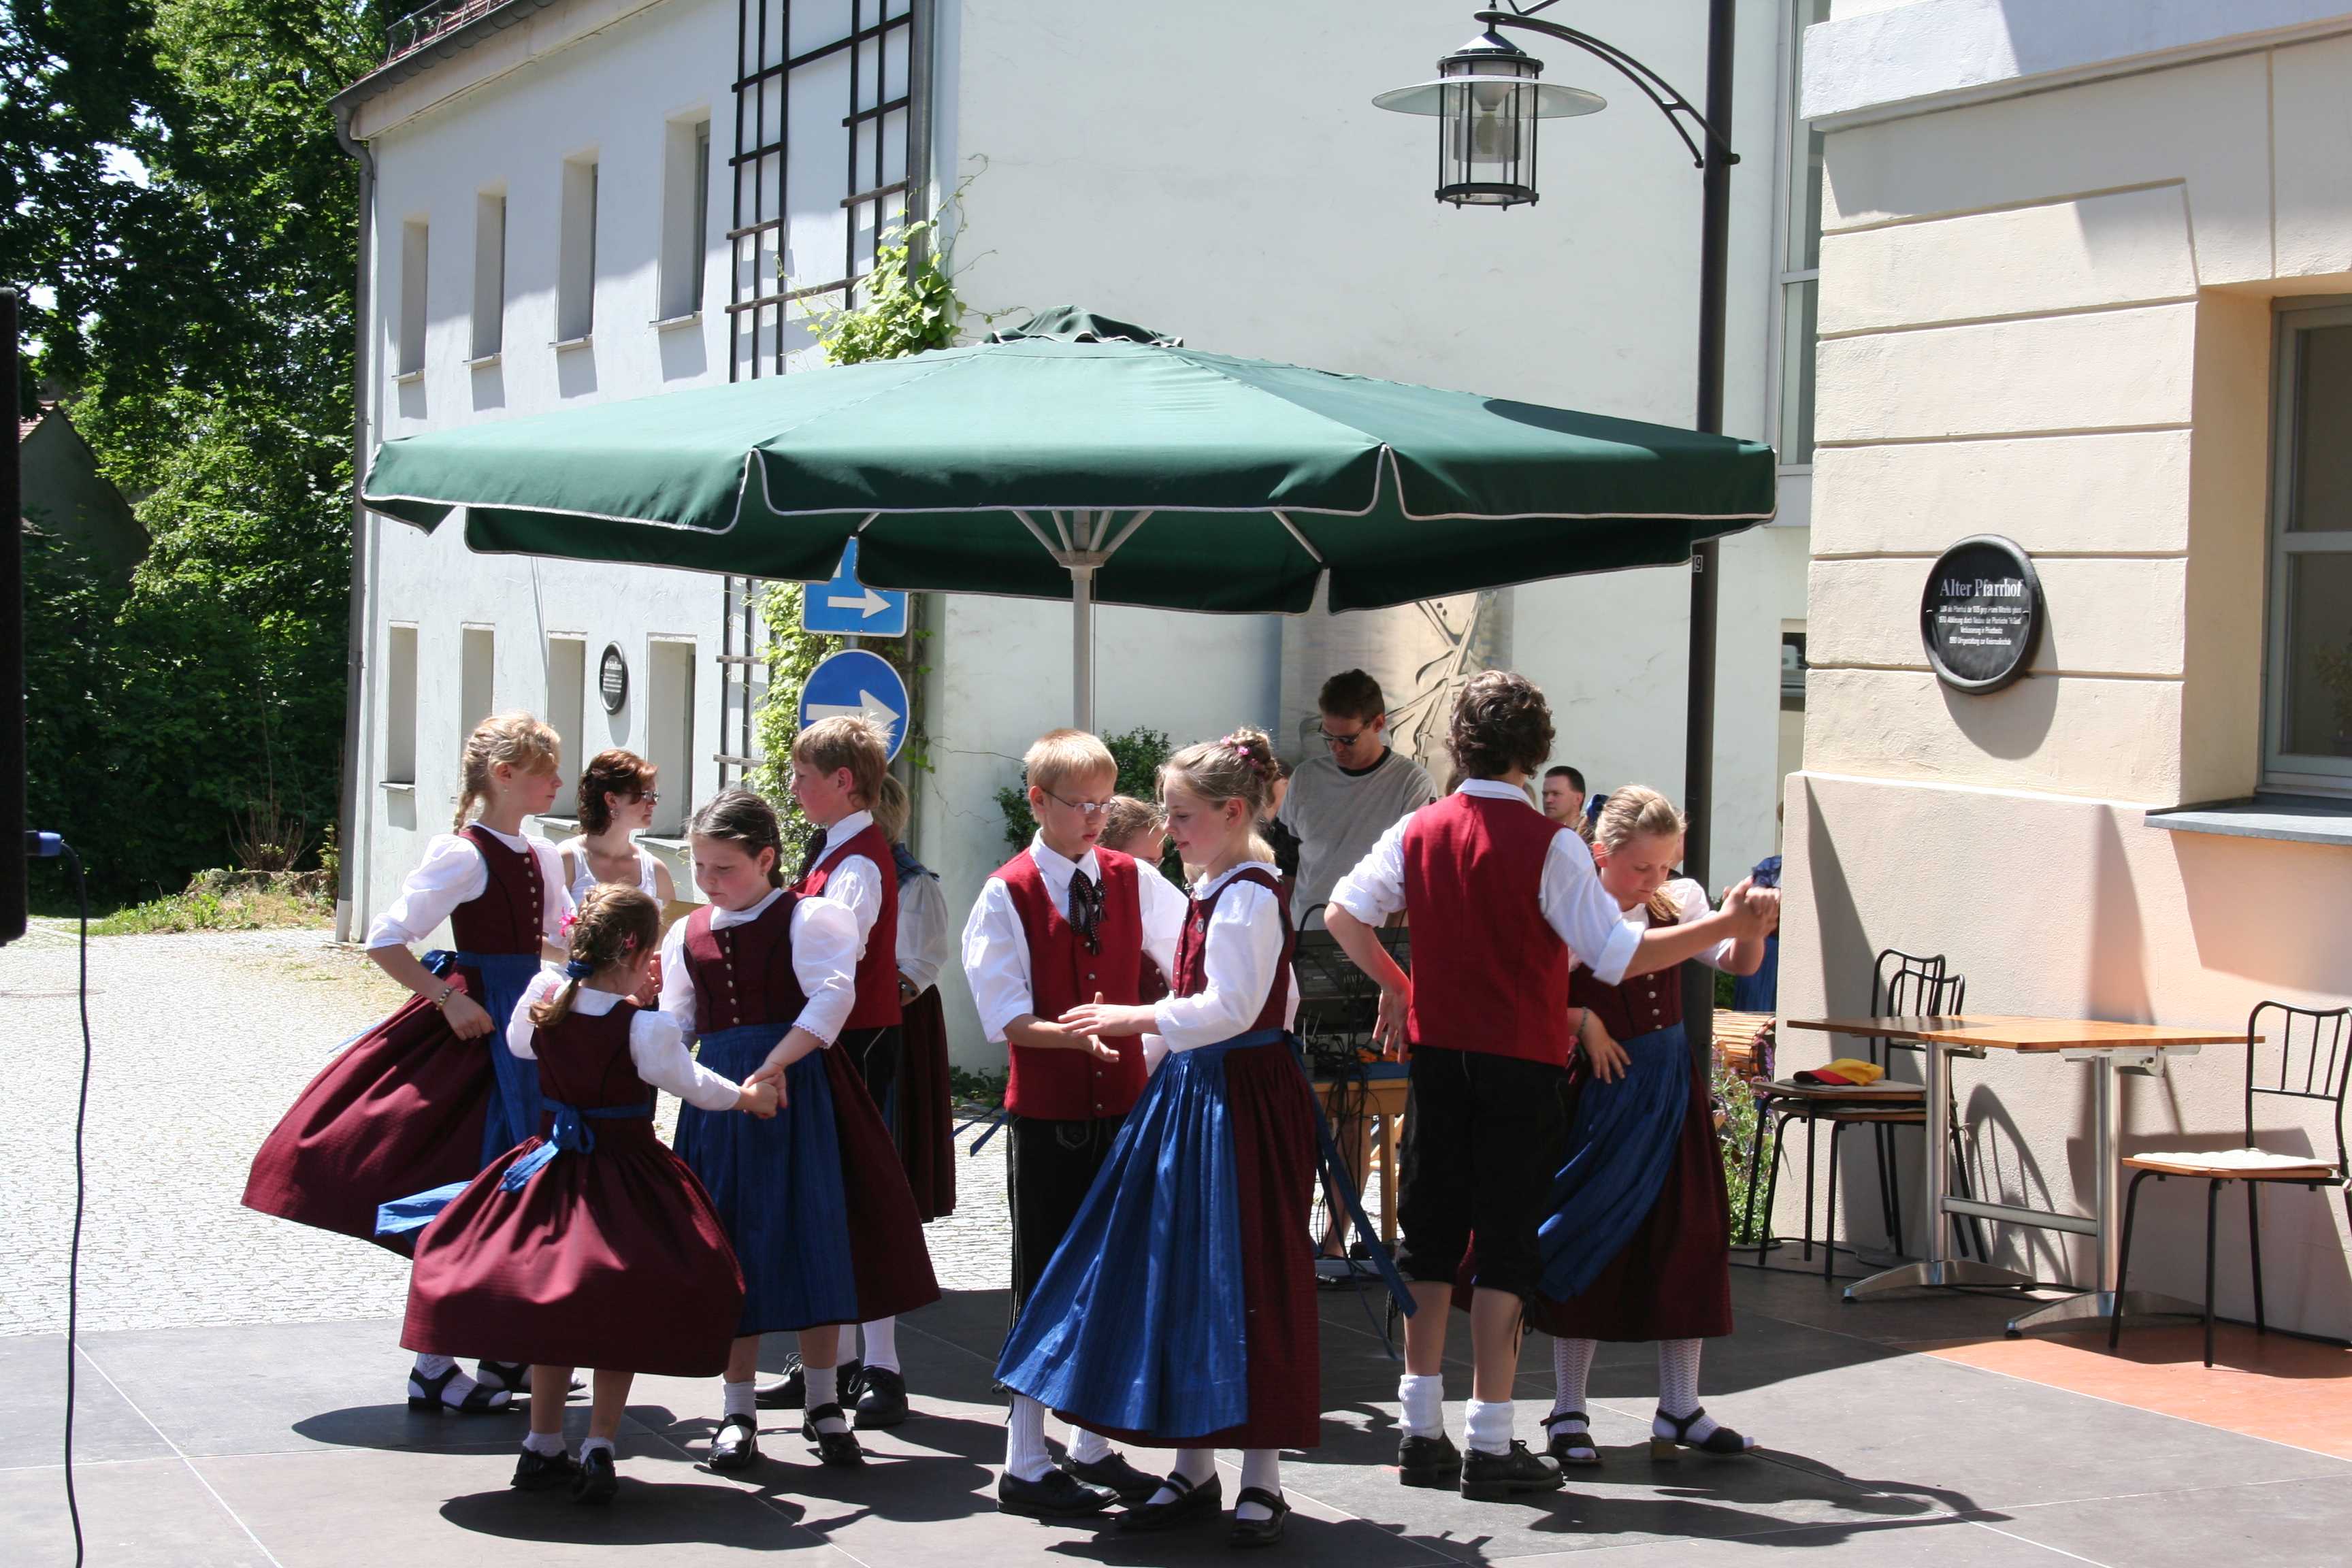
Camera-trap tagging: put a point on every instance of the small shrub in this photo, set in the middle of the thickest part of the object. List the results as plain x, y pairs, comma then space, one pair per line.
226, 900
978, 1089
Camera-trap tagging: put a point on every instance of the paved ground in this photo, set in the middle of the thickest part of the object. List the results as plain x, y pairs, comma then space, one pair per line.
200, 1042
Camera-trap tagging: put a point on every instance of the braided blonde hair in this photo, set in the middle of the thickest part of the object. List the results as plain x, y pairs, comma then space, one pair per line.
616, 921
512, 738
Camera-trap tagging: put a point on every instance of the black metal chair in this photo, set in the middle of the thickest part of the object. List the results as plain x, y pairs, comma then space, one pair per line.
2321, 1079
1902, 983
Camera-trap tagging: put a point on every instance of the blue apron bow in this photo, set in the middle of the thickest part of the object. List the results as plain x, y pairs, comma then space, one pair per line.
570, 1134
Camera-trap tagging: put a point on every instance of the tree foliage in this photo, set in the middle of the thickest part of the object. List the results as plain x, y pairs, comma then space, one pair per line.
170, 182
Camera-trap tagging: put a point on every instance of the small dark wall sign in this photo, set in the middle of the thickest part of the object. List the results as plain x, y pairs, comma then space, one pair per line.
612, 679
1982, 614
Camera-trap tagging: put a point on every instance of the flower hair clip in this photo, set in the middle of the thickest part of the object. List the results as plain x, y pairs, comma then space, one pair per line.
569, 922
1239, 745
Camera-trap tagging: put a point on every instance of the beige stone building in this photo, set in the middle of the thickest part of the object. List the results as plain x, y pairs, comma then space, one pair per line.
2087, 282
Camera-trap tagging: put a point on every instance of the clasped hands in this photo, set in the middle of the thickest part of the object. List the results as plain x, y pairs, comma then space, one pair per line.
1085, 1025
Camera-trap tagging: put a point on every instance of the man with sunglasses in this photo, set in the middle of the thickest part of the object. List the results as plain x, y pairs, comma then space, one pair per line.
1341, 800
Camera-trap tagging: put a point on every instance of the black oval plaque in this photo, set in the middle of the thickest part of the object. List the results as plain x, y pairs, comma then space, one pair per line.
612, 679
1982, 613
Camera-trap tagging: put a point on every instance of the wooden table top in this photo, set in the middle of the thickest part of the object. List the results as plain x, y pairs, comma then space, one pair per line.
2005, 1032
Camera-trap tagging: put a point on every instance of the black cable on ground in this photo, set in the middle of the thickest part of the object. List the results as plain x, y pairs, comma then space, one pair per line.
49, 846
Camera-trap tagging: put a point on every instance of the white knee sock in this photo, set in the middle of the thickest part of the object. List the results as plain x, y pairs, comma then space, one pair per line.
1424, 1399
882, 1343
1678, 1392
1489, 1427
1024, 1440
825, 1388
1571, 1370
1196, 1465
737, 1399
434, 1365
547, 1445
848, 1350
1261, 1468
1088, 1447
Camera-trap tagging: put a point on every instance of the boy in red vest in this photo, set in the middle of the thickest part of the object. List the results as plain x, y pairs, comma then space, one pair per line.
838, 768
1503, 903
1064, 923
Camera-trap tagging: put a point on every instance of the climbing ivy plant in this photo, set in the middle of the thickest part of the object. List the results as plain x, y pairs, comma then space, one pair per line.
792, 654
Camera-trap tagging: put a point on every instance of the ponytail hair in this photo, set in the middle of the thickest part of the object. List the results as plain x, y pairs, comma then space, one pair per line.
1636, 812
1239, 767
747, 821
513, 737
615, 924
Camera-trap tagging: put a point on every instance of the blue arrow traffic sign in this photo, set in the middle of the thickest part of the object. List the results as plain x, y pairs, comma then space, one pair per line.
855, 681
848, 607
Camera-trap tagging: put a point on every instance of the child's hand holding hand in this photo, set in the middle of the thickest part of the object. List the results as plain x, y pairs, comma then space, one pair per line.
1099, 1017
762, 1096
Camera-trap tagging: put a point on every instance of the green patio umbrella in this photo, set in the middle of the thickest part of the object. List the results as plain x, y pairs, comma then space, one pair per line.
1085, 459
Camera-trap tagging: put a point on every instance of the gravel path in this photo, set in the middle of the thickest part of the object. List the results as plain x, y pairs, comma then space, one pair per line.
201, 1041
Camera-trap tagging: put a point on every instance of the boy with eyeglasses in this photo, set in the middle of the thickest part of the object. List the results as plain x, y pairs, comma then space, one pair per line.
1064, 923
1341, 801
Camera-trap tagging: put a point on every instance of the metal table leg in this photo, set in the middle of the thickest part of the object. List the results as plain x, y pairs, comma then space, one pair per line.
1937, 1268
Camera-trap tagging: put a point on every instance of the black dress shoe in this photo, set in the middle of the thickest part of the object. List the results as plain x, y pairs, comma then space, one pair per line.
1259, 1532
840, 1448
1133, 1485
597, 1480
735, 1446
790, 1391
543, 1472
1429, 1462
1060, 1495
1190, 1502
881, 1396
1488, 1476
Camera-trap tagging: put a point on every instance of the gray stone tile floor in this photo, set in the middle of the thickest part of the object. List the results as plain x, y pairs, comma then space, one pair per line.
239, 1380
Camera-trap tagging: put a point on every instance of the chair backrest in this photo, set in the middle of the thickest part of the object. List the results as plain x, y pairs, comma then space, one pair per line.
2313, 1060
1910, 984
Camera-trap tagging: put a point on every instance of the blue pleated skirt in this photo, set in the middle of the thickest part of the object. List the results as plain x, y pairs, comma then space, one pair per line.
1620, 1147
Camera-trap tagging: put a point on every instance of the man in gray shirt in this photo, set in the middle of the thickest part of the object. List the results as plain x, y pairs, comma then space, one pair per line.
1340, 802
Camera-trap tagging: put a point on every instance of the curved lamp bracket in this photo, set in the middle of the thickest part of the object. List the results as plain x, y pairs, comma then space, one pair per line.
1654, 87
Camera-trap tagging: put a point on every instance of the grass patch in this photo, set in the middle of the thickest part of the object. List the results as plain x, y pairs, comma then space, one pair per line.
229, 901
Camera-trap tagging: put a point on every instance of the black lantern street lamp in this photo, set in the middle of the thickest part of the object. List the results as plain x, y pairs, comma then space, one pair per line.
1488, 101
1487, 98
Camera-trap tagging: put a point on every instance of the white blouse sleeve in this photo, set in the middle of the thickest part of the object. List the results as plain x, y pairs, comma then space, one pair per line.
1582, 913
922, 931
996, 960
1691, 898
1242, 955
1375, 889
452, 873
825, 946
1164, 909
521, 1030
658, 1052
678, 1000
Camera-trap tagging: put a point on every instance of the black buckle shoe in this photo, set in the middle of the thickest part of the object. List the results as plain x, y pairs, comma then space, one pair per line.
881, 1396
1258, 1532
1429, 1462
543, 1472
1133, 1485
1060, 1495
840, 1448
424, 1393
1488, 1476
735, 1446
1190, 1502
1570, 1445
597, 1480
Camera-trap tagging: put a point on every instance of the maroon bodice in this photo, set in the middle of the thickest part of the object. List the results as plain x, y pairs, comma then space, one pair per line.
509, 916
1191, 975
1641, 1004
584, 1062
743, 974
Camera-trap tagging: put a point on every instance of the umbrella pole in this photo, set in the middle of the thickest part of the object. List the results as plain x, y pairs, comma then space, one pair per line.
1082, 644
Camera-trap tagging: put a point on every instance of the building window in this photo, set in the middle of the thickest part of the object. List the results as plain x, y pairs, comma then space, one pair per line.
1800, 250
567, 696
670, 730
575, 279
1792, 672
686, 215
489, 273
477, 678
2309, 684
400, 706
413, 247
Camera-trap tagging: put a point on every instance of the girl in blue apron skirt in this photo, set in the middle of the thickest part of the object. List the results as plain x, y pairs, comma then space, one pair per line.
1179, 1309
590, 1245
431, 1095
815, 1201
1637, 1245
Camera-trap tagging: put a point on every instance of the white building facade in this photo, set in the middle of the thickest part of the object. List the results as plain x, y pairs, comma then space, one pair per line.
597, 199
2087, 282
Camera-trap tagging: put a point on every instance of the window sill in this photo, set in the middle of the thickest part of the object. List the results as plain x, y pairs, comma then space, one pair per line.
483, 362
408, 377
396, 786
581, 342
568, 824
672, 846
673, 324
2290, 818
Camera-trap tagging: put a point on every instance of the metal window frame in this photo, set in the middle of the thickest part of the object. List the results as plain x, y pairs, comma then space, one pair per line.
1787, 148
2302, 773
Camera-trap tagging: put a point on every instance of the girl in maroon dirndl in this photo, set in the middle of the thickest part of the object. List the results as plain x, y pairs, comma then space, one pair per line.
430, 1096
590, 1244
